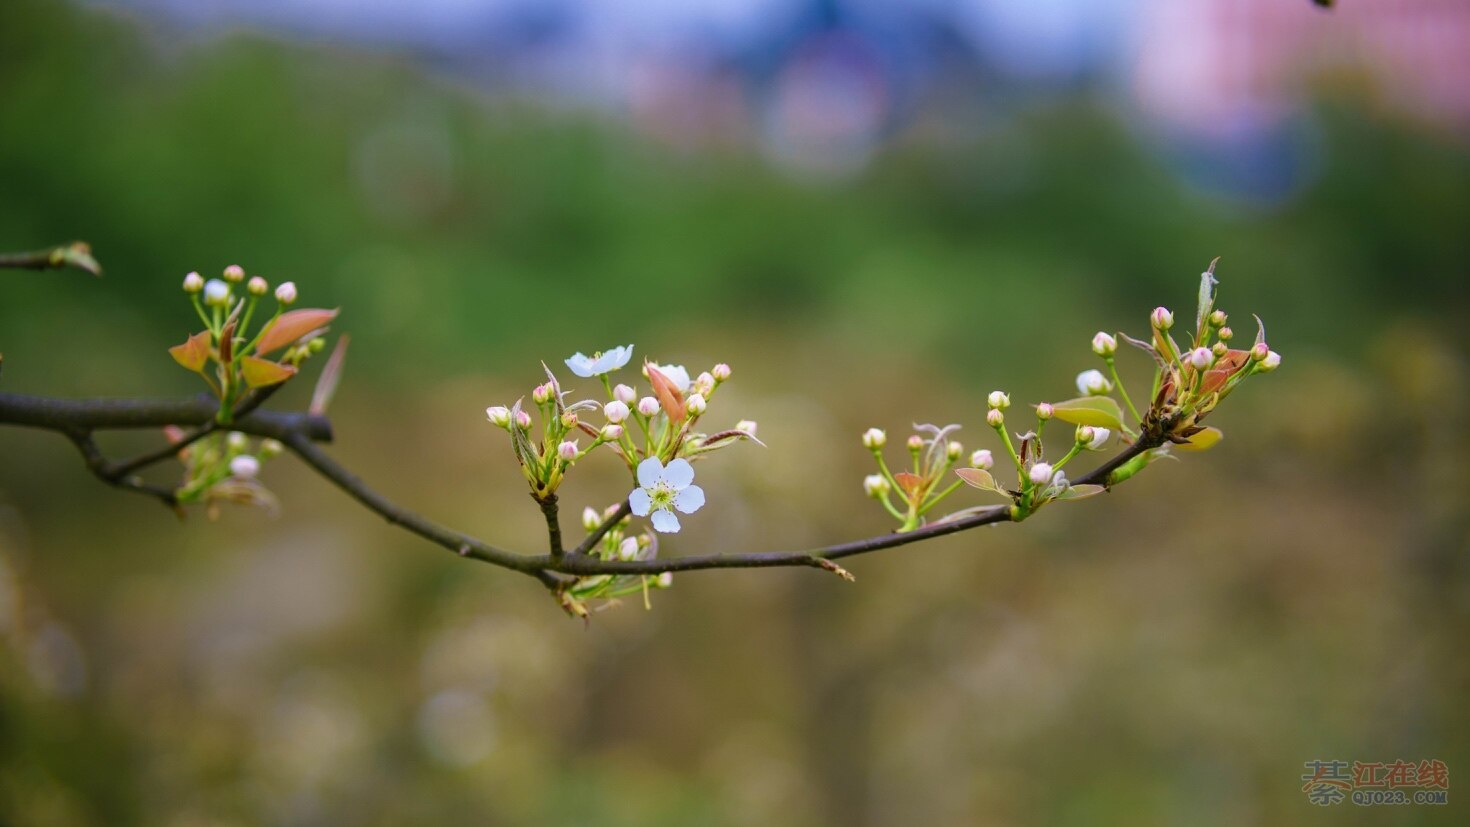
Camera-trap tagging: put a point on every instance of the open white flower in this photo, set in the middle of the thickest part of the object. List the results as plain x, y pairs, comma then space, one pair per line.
663, 489
599, 363
1093, 383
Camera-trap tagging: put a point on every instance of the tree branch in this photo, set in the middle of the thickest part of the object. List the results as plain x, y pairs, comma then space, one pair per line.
77, 254
77, 419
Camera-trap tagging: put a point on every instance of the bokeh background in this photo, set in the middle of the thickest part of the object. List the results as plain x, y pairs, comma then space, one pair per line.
877, 213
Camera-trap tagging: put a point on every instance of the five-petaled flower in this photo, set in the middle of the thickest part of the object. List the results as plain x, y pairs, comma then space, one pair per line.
663, 489
599, 363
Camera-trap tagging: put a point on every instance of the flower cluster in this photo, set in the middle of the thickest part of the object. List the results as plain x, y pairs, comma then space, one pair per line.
241, 361
224, 467
1188, 384
654, 434
617, 544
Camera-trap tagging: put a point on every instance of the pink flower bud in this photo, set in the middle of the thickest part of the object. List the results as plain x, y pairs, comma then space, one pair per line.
499, 415
1201, 358
982, 459
954, 450
1104, 344
244, 467
193, 283
615, 411
257, 286
874, 438
1084, 434
1217, 318
612, 433
286, 292
628, 549
1044, 411
999, 400
648, 406
1041, 473
916, 443
994, 418
721, 372
696, 404
523, 420
1259, 351
541, 394
567, 450
624, 394
746, 426
234, 273
1225, 334
1161, 318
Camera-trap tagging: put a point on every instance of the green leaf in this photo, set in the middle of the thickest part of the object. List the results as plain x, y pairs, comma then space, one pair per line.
260, 373
1203, 441
1097, 411
1081, 492
980, 478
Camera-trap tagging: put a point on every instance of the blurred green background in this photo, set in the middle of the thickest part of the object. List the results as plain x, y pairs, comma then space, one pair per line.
1171, 653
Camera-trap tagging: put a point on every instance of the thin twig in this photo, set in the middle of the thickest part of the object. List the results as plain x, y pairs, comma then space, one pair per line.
76, 254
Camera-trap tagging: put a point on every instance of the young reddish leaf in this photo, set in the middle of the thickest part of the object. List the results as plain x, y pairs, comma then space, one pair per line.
194, 353
908, 482
260, 373
1097, 411
292, 325
1202, 441
667, 393
326, 384
227, 343
1224, 368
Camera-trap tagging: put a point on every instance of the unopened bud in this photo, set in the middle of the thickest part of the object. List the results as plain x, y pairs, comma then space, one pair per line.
1104, 344
916, 443
499, 415
1217, 318
1040, 473
216, 293
704, 383
1259, 351
567, 450
286, 292
1200, 358
1225, 334
746, 426
1093, 383
995, 418
270, 448
628, 549
648, 406
316, 345
954, 450
244, 467
624, 394
569, 420
590, 518
193, 283
876, 485
612, 433
982, 459
237, 441
1084, 434
1220, 349
721, 372
523, 420
615, 411
257, 286
999, 400
1161, 318
234, 273
874, 438
664, 580
541, 394
1044, 411
696, 404
1270, 363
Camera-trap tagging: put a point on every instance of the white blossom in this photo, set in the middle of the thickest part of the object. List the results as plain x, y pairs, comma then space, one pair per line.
1093, 383
599, 363
662, 489
244, 467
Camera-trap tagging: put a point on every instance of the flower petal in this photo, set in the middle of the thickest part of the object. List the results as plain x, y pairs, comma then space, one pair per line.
665, 521
690, 499
649, 471
580, 364
678, 474
639, 501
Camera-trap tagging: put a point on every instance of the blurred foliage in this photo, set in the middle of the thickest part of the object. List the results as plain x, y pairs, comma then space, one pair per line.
1170, 653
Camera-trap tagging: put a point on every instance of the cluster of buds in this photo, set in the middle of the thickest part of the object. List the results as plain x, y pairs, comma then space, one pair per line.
654, 434
227, 355
1188, 384
224, 467
617, 544
920, 486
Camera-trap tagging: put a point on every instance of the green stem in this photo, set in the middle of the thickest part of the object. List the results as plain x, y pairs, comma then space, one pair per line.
1122, 391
